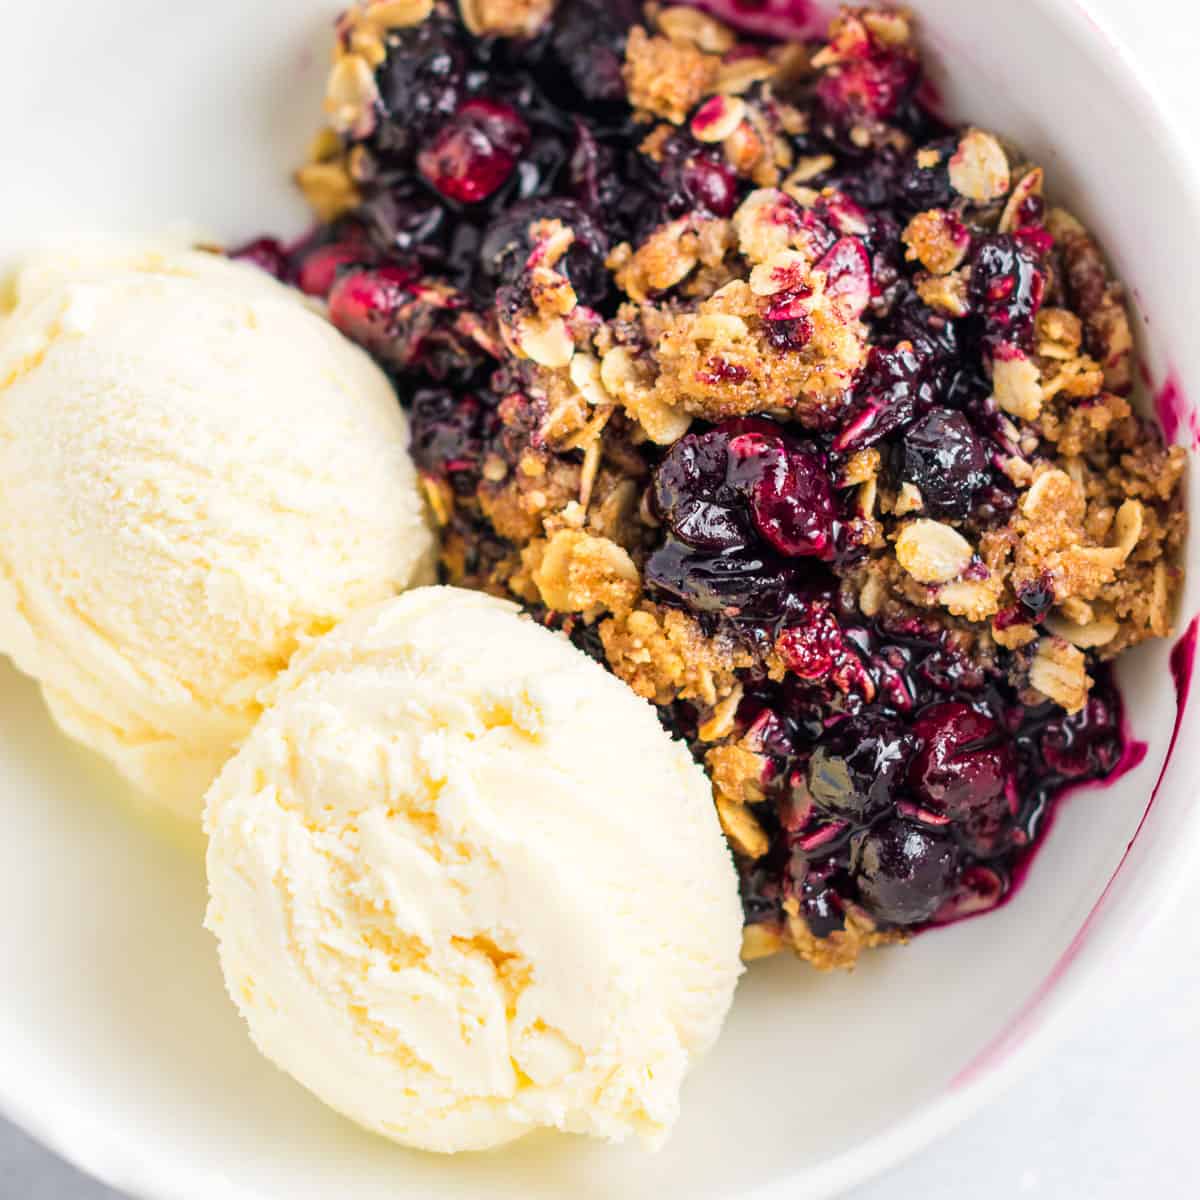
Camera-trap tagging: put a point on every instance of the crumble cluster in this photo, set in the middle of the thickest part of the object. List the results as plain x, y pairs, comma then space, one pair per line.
840, 365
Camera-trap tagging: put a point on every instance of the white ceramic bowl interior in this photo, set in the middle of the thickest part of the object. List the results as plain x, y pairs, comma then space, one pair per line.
117, 1043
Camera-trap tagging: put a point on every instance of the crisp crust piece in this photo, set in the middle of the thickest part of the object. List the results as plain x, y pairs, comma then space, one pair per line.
663, 654
667, 78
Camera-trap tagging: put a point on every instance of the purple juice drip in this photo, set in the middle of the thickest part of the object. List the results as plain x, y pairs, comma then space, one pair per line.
1179, 419
787, 20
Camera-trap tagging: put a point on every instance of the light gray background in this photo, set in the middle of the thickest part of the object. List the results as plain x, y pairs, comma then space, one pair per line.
1112, 1113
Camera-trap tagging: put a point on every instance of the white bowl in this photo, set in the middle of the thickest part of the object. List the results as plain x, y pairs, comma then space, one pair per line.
117, 1044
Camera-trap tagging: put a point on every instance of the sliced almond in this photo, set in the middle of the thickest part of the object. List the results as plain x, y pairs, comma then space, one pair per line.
717, 118
1030, 184
695, 28
1059, 671
742, 828
932, 552
979, 168
1017, 384
1098, 632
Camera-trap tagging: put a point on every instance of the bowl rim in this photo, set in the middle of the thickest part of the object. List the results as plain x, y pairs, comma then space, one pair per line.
82, 1139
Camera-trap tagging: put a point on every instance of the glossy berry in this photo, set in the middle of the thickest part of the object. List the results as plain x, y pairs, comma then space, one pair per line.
859, 768
746, 480
475, 152
364, 304
1006, 288
904, 871
506, 246
944, 457
791, 500
964, 765
747, 586
421, 83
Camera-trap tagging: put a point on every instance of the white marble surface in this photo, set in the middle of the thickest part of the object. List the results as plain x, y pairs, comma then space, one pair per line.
1112, 1112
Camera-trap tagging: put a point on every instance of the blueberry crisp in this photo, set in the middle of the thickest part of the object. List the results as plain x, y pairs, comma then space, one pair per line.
802, 410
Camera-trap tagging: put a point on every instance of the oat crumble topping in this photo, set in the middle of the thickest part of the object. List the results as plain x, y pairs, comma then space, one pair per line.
799, 408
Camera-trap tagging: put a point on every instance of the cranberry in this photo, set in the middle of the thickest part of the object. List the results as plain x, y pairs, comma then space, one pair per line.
364, 303
965, 763
791, 501
813, 644
714, 490
265, 253
475, 152
872, 87
904, 871
858, 768
710, 184
319, 269
847, 276
943, 456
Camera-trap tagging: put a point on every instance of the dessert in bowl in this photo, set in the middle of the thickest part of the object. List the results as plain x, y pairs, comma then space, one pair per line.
867, 1066
799, 408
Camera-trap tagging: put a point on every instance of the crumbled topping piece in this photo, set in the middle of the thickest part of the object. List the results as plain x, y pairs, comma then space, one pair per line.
945, 293
630, 383
721, 360
1017, 383
741, 827
690, 27
979, 168
578, 572
1059, 672
505, 18
933, 552
738, 773
1058, 333
938, 240
1018, 210
1099, 300
760, 941
843, 947
666, 77
663, 655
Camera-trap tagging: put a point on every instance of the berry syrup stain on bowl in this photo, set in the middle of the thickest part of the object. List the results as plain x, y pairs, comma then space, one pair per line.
1177, 414
1182, 661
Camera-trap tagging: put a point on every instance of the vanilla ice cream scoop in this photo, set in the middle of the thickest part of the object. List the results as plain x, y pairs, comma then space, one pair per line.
197, 474
466, 886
